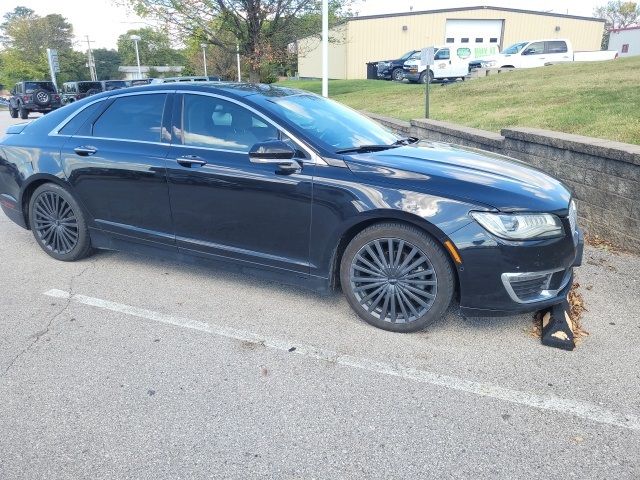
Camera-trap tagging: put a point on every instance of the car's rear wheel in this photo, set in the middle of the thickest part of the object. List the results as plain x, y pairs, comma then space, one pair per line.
24, 113
13, 112
58, 224
396, 277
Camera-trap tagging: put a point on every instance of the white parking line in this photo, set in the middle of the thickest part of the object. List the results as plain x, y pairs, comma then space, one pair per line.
565, 406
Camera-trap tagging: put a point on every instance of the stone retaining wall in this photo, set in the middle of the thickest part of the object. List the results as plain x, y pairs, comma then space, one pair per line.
603, 175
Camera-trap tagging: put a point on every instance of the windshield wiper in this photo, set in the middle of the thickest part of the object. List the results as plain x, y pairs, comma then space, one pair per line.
406, 141
366, 148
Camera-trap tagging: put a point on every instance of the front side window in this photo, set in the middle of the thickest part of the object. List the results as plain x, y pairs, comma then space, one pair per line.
328, 122
219, 124
135, 117
536, 48
442, 54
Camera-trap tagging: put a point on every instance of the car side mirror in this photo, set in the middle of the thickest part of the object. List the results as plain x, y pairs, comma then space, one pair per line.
274, 152
528, 51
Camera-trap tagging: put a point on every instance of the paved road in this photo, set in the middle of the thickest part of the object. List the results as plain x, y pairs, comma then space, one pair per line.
130, 367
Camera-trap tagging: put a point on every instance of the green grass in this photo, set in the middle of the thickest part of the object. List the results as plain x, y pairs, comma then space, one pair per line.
599, 99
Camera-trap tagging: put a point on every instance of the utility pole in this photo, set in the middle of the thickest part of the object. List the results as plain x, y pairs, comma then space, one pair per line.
91, 62
325, 48
204, 57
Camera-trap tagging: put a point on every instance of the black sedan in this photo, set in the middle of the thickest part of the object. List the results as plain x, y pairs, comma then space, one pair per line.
296, 186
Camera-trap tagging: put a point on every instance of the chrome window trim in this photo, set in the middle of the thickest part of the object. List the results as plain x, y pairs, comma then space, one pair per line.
57, 128
127, 140
314, 157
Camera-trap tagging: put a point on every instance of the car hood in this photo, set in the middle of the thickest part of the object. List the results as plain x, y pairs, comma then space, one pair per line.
463, 173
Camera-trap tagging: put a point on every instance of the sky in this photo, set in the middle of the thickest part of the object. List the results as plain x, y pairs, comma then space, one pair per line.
103, 21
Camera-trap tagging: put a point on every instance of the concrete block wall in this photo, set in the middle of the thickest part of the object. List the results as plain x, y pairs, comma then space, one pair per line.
603, 175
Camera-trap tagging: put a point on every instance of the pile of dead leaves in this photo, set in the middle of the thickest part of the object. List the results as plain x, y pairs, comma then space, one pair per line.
599, 242
577, 308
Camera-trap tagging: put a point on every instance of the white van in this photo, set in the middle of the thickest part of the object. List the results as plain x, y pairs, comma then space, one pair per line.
538, 53
450, 62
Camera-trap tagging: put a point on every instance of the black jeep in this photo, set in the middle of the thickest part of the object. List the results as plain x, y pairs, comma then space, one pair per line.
392, 69
72, 91
33, 96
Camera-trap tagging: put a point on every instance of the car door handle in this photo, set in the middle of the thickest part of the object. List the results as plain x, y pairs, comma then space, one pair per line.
85, 150
191, 160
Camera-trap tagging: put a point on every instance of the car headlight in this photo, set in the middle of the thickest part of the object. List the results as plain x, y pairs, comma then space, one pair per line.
489, 64
520, 226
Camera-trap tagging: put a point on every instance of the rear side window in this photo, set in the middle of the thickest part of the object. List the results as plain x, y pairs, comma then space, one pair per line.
73, 125
557, 47
33, 86
135, 117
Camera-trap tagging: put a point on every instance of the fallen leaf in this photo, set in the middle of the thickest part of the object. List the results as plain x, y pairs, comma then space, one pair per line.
560, 335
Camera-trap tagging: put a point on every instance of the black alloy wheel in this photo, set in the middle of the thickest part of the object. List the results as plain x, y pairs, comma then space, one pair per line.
58, 224
396, 277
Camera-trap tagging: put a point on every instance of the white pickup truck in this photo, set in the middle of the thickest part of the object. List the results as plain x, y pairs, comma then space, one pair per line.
538, 53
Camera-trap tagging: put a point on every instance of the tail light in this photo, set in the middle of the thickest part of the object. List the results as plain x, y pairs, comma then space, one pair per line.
26, 98
56, 97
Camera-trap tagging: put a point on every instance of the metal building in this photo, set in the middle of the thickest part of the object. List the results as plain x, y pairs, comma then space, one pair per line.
625, 40
379, 37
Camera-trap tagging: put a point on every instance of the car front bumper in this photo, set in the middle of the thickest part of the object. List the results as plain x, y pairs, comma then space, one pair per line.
411, 76
499, 277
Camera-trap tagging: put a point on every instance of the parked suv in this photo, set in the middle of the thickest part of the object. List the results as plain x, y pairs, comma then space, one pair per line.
72, 91
33, 96
108, 85
392, 69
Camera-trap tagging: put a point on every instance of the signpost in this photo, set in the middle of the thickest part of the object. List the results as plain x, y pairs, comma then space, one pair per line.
426, 60
54, 65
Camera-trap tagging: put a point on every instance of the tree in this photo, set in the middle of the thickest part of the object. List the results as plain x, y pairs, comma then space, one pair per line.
262, 28
154, 47
107, 63
25, 37
617, 14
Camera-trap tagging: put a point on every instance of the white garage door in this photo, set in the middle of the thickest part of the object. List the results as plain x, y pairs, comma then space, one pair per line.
474, 32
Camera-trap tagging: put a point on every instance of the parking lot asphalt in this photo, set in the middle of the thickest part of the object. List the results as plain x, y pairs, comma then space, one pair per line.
121, 366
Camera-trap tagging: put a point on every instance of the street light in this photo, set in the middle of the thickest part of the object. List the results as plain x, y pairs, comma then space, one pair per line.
204, 57
136, 39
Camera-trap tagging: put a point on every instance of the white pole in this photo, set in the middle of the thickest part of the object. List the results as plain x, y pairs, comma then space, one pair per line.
325, 48
138, 59
238, 59
204, 57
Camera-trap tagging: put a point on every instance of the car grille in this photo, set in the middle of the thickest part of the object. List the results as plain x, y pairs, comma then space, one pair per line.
535, 286
530, 288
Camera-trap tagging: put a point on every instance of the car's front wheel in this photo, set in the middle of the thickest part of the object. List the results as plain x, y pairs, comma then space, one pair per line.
58, 224
397, 75
397, 277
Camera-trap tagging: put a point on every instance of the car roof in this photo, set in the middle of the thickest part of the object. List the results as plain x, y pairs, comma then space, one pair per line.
226, 88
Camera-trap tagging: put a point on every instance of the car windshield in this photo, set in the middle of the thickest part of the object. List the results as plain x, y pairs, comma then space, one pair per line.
84, 87
33, 86
331, 123
407, 55
513, 49
111, 84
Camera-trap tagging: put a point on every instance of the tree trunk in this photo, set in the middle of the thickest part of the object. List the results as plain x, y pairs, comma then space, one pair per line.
254, 75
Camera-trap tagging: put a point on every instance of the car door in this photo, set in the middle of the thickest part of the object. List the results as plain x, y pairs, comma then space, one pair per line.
116, 164
441, 63
224, 205
533, 55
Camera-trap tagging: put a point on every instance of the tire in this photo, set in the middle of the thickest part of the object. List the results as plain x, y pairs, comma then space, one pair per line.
92, 91
13, 112
397, 75
414, 299
41, 97
423, 76
24, 113
58, 223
